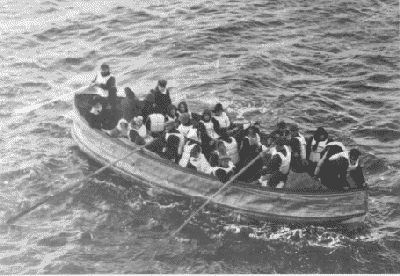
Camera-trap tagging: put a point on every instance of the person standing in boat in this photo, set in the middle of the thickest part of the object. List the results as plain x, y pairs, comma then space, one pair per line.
106, 87
162, 98
297, 144
209, 128
278, 167
314, 147
148, 106
131, 105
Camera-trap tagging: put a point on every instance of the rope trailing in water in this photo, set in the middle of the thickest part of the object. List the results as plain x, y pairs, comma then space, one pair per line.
49, 198
215, 194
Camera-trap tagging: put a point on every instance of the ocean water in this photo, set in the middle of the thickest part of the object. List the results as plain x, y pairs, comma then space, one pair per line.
339, 58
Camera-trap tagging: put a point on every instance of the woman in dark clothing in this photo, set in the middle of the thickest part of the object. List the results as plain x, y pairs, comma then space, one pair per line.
209, 129
131, 105
314, 147
96, 115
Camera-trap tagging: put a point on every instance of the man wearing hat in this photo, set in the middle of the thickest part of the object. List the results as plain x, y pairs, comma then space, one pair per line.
106, 87
162, 98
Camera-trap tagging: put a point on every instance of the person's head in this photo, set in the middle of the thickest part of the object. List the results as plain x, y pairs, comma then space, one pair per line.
162, 84
281, 126
105, 69
171, 110
354, 154
280, 142
252, 131
320, 134
218, 109
195, 152
123, 125
183, 107
294, 129
184, 118
224, 161
129, 93
206, 115
138, 121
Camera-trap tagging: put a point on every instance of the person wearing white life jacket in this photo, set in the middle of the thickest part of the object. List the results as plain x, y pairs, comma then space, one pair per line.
343, 171
298, 147
106, 87
209, 128
314, 147
138, 132
222, 118
220, 150
121, 130
198, 161
278, 167
250, 147
192, 140
232, 148
186, 126
225, 169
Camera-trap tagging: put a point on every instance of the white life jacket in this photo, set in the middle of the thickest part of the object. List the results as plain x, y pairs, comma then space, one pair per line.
301, 139
337, 144
181, 140
170, 119
231, 166
156, 122
124, 132
96, 111
223, 120
315, 156
303, 143
102, 80
186, 154
232, 150
254, 141
201, 164
285, 164
210, 129
344, 154
185, 129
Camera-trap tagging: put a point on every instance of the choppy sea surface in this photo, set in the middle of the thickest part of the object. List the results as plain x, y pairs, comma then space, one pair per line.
339, 58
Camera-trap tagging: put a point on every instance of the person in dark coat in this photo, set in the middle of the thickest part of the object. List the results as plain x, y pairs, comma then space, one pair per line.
162, 98
297, 144
131, 105
148, 106
96, 115
314, 147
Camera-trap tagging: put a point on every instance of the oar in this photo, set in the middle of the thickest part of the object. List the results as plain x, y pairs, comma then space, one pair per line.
66, 190
30, 108
215, 194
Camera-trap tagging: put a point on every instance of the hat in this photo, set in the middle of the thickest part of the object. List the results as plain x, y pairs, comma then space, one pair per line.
105, 66
218, 107
184, 118
294, 128
281, 125
207, 111
162, 83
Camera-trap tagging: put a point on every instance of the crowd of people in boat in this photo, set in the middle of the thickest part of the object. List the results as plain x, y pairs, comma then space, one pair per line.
211, 144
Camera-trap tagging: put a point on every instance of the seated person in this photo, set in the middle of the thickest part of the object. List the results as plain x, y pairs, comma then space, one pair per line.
220, 150
131, 106
251, 146
222, 118
138, 132
231, 148
297, 144
121, 130
343, 171
96, 115
171, 114
198, 161
185, 124
314, 147
183, 108
192, 140
278, 167
174, 146
225, 169
280, 131
209, 129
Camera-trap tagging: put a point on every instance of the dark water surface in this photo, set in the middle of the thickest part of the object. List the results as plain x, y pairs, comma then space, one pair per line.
340, 57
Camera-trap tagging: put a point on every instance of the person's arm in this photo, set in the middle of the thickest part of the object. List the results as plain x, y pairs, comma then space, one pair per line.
216, 126
319, 164
109, 84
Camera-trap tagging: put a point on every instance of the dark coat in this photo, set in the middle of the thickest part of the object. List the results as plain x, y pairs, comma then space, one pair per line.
161, 100
131, 107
